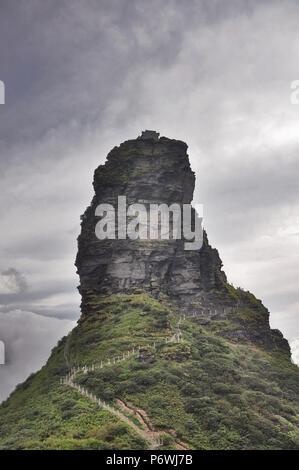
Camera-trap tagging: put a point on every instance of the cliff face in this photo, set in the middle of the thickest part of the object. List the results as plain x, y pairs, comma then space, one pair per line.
157, 170
146, 171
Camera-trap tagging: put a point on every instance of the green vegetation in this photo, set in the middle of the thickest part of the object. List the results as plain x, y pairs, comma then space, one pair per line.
209, 391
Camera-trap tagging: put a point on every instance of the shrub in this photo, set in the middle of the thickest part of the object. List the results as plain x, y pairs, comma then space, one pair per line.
67, 404
190, 390
191, 425
108, 394
221, 388
167, 440
195, 405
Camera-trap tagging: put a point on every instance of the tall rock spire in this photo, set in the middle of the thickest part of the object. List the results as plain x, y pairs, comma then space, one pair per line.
146, 170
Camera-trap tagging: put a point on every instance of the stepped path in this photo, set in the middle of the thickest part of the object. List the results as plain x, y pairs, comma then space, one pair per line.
149, 436
152, 437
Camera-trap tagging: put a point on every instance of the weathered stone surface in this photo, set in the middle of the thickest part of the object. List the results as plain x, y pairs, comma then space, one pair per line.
147, 170
156, 171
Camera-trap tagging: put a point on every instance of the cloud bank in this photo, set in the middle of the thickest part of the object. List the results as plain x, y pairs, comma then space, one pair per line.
28, 340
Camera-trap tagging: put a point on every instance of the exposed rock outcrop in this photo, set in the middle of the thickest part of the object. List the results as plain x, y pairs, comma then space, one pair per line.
148, 170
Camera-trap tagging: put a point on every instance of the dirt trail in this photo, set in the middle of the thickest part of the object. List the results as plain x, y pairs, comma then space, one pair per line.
154, 443
142, 417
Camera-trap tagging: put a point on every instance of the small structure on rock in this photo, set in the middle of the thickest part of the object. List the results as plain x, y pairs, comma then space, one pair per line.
149, 135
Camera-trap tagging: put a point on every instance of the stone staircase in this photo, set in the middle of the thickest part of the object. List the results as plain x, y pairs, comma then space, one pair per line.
154, 441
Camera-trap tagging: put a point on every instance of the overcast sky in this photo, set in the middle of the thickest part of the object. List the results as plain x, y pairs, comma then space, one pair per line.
80, 78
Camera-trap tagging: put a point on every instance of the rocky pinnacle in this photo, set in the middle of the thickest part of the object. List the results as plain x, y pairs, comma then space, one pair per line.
146, 170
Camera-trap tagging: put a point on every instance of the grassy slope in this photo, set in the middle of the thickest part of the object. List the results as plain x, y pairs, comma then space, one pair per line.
212, 393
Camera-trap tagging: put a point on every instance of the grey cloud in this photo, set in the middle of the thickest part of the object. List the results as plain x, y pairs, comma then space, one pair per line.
18, 278
28, 340
59, 311
37, 300
75, 74
60, 245
295, 349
